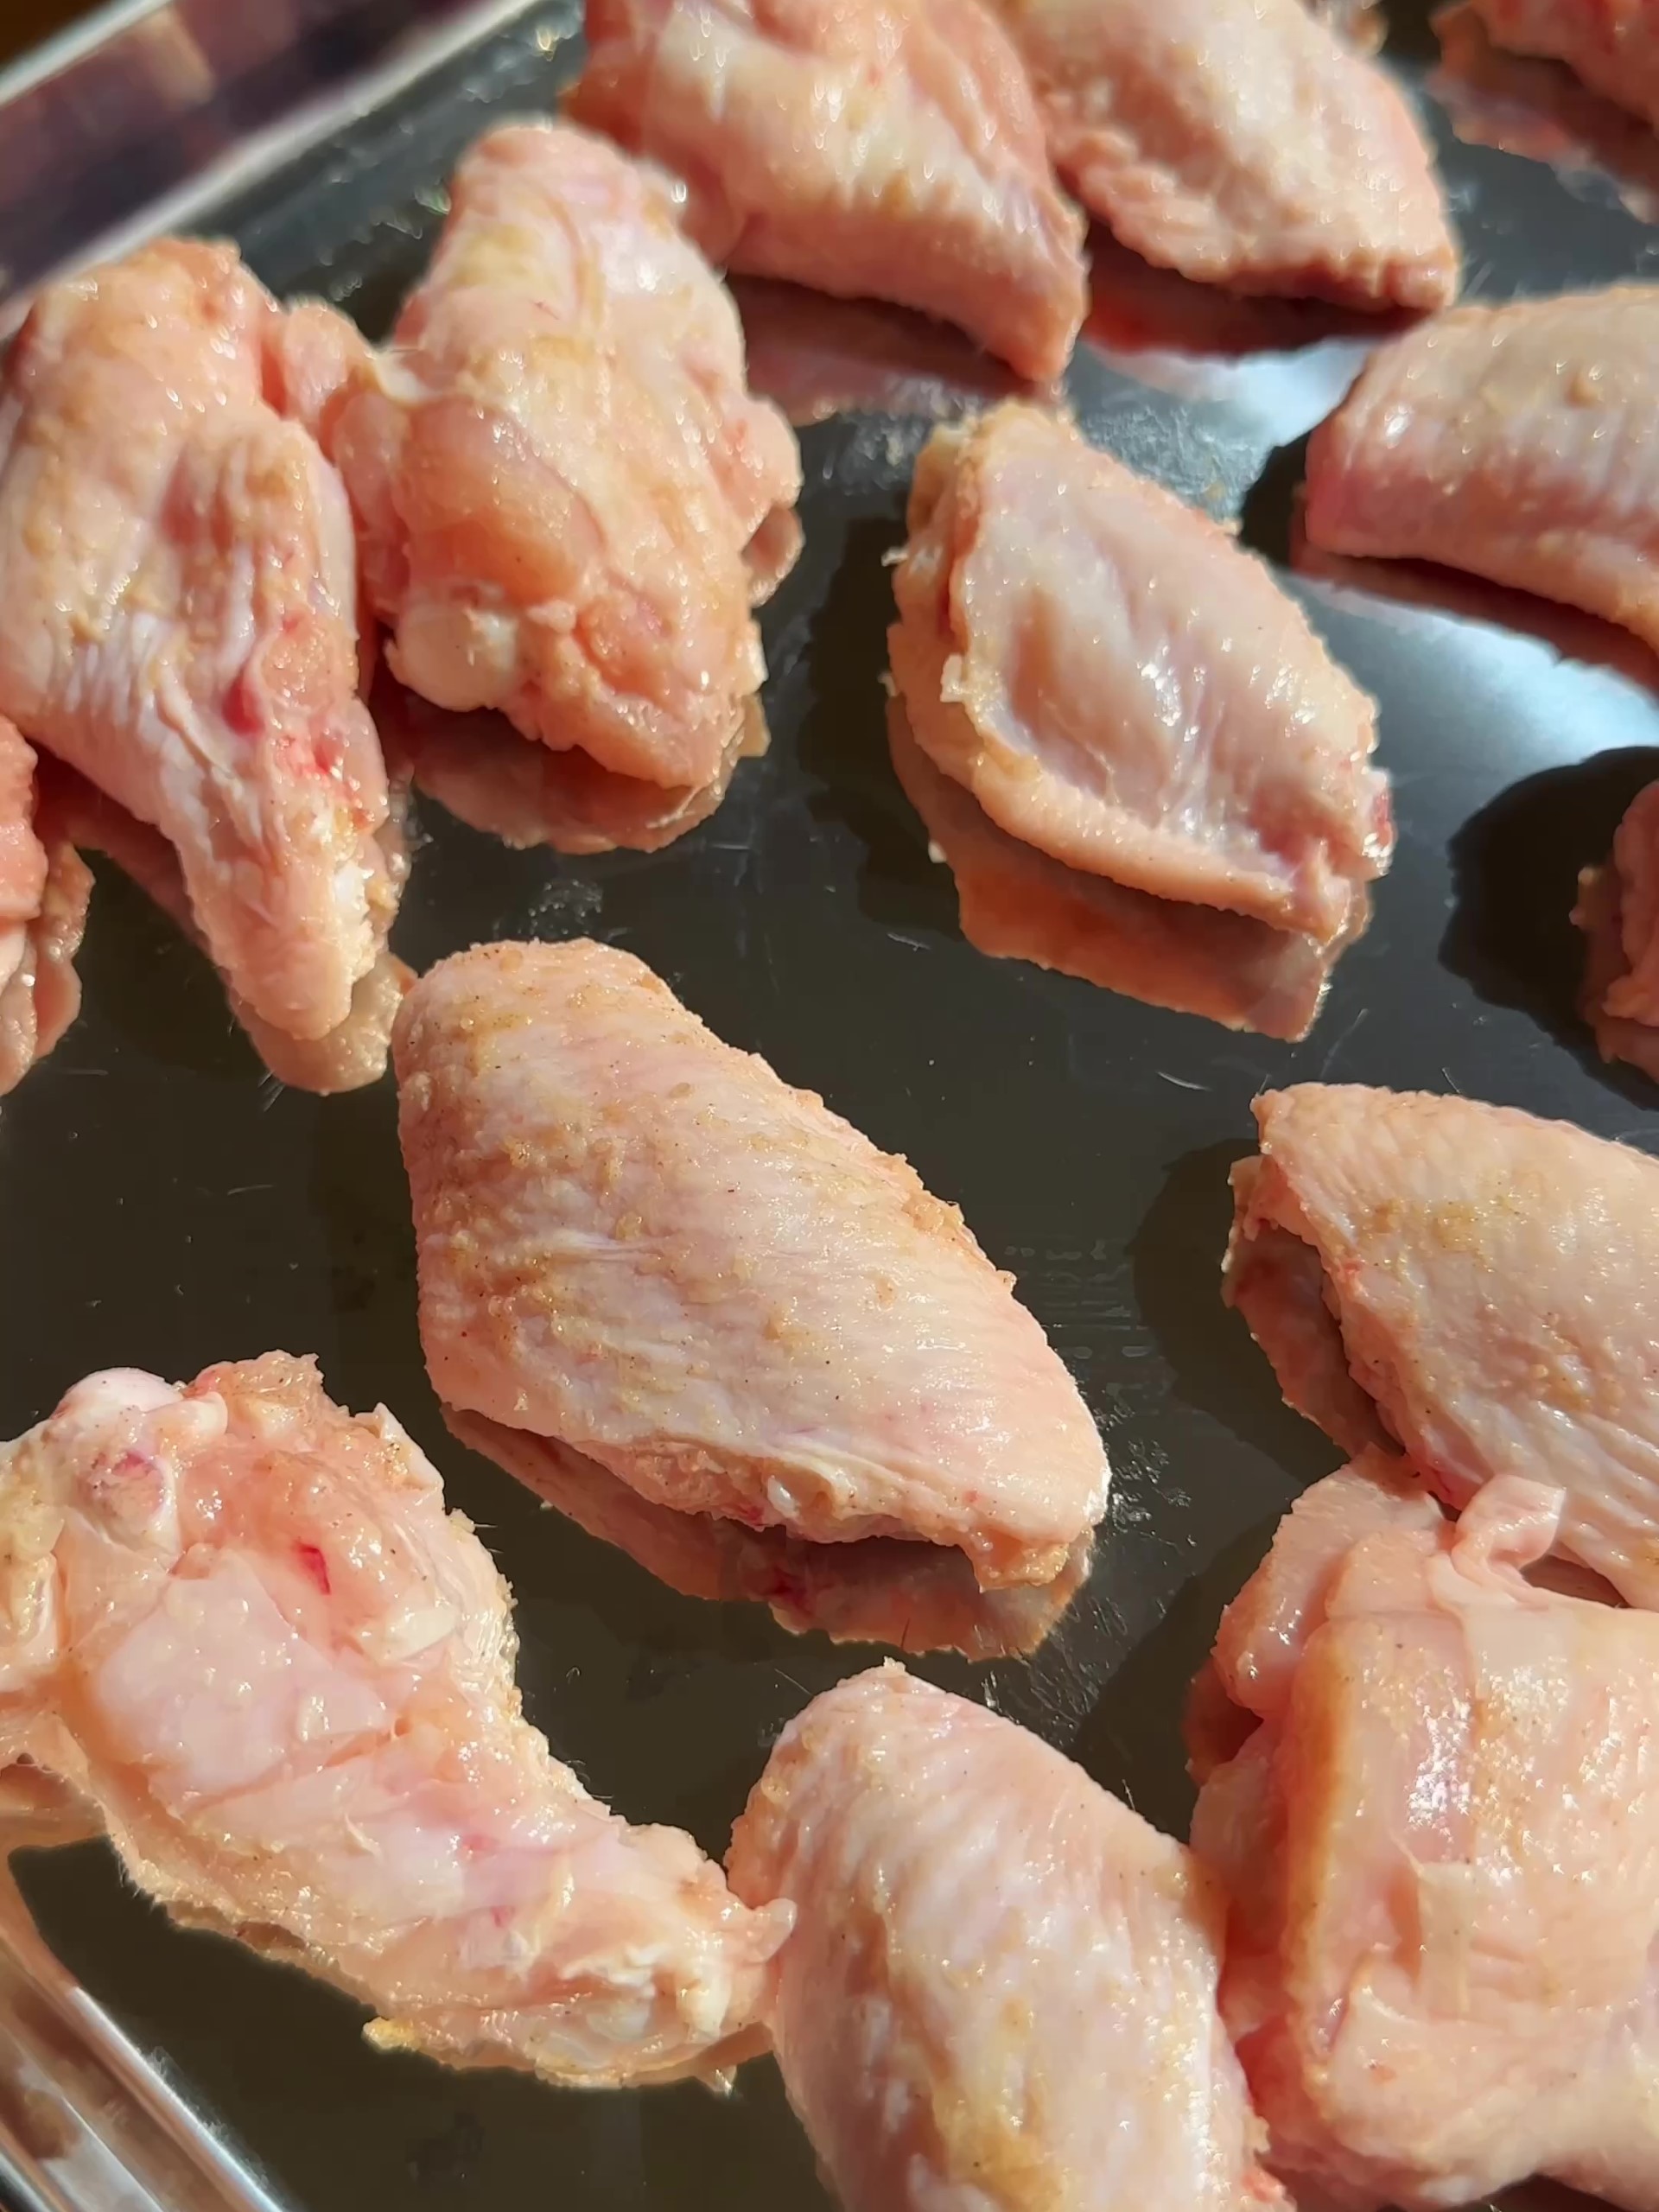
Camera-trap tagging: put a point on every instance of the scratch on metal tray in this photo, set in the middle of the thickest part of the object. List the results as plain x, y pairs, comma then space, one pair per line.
1345, 1038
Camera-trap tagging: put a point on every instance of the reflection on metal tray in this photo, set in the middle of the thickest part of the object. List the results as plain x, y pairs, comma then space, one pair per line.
163, 1205
142, 114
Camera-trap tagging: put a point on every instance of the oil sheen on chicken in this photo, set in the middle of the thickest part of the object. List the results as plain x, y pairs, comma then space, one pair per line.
1440, 1837
1515, 441
240, 1622
881, 149
1000, 1995
636, 1239
1469, 1287
568, 497
1244, 143
1118, 687
179, 589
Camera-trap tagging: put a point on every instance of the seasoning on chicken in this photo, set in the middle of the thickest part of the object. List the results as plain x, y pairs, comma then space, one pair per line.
883, 148
1000, 1989
914, 1597
1515, 441
638, 1241
1244, 143
1471, 1287
568, 498
1116, 686
179, 589
242, 1623
1612, 45
1618, 912
44, 889
1440, 1838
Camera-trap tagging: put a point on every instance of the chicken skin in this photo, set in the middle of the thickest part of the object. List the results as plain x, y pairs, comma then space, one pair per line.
1440, 1837
1469, 1287
179, 585
240, 1622
638, 1241
1117, 686
1000, 1995
871, 148
1244, 143
44, 890
479, 769
1014, 903
914, 1597
1514, 442
568, 498
1612, 45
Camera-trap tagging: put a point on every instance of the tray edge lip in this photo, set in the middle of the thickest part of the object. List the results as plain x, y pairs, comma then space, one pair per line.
263, 150
74, 43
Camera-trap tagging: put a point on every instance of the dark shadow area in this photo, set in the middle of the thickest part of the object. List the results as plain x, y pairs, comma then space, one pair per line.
1267, 521
1176, 1256
843, 741
1514, 870
156, 990
361, 1200
1131, 1741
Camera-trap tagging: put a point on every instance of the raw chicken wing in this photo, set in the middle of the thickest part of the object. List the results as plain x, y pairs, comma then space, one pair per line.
1613, 45
1118, 687
1618, 912
886, 149
241, 1623
637, 1240
479, 769
351, 1054
568, 497
914, 1597
1000, 1995
1516, 442
1017, 903
1469, 1287
179, 590
1241, 142
1440, 1837
44, 890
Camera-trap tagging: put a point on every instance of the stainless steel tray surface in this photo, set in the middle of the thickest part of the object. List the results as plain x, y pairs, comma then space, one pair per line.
165, 1205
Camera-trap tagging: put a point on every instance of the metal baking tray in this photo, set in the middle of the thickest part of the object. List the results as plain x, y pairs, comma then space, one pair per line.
164, 1205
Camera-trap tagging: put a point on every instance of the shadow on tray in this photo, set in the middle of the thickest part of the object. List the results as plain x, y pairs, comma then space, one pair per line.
1135, 1727
843, 743
1176, 1256
1515, 868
